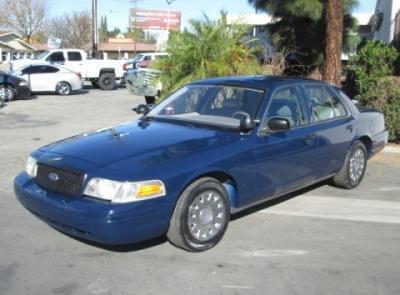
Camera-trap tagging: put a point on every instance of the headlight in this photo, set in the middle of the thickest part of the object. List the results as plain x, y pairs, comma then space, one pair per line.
31, 167
23, 83
124, 192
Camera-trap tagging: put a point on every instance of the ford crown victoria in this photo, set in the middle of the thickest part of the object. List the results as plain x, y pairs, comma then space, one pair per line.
209, 150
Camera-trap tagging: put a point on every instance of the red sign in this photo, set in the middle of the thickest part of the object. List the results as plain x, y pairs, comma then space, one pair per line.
155, 19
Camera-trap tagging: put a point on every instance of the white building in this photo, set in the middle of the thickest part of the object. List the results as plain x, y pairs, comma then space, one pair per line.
384, 20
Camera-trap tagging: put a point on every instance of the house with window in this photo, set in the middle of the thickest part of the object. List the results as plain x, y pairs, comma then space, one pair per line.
12, 46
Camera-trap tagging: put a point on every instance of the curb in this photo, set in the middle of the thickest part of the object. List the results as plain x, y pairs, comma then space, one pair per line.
392, 149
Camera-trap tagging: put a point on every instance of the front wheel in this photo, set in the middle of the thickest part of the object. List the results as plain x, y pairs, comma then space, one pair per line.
353, 170
150, 100
201, 216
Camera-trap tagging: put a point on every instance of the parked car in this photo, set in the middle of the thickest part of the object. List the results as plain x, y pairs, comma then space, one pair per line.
104, 74
143, 82
143, 60
12, 87
50, 78
209, 150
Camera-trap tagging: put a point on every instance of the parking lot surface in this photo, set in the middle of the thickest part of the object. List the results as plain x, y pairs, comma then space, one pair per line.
322, 240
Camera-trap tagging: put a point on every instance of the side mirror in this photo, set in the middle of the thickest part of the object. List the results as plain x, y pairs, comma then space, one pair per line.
247, 124
141, 109
278, 124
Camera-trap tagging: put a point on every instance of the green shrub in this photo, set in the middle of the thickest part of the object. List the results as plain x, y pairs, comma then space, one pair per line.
208, 49
371, 70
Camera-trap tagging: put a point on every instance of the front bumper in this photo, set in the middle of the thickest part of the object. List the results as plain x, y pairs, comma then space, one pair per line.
91, 219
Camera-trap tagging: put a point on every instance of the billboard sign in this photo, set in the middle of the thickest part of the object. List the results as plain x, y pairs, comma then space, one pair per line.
155, 19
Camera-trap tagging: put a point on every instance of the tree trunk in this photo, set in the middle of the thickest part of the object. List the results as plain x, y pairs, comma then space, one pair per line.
333, 41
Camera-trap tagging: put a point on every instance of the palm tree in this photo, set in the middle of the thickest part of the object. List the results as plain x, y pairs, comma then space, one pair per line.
208, 49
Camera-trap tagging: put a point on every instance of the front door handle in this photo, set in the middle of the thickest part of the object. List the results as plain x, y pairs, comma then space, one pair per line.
350, 127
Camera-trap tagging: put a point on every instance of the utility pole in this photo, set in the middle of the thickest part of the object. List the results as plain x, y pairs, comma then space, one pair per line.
94, 29
169, 2
134, 23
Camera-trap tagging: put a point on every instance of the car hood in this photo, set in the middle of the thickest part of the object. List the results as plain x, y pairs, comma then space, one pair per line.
142, 144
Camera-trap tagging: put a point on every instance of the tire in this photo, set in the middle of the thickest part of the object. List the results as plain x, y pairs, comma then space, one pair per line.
150, 99
353, 170
107, 81
7, 93
63, 88
201, 216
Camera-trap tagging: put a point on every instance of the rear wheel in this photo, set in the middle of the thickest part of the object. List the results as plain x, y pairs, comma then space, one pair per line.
63, 88
107, 81
201, 216
353, 170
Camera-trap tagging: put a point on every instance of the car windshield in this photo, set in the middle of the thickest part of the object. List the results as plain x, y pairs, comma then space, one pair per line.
212, 104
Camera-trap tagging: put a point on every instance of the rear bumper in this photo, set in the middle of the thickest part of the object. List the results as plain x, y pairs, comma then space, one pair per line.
90, 219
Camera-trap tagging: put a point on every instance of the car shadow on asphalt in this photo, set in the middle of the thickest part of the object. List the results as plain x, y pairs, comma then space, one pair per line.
124, 248
275, 201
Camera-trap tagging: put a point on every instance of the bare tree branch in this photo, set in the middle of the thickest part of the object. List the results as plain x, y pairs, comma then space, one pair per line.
73, 29
26, 17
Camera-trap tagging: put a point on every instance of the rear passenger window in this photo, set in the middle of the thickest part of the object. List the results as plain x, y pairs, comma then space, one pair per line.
286, 103
325, 105
74, 56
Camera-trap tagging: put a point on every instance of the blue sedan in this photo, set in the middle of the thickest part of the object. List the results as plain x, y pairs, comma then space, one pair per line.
209, 150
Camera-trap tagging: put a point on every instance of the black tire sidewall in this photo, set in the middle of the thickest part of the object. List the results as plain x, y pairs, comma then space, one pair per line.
104, 86
356, 146
189, 240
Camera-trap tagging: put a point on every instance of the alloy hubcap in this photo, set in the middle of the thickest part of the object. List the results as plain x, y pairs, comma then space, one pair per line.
64, 89
206, 215
357, 164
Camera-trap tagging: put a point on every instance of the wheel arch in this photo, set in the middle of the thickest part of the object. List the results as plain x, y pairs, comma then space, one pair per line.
367, 141
227, 181
106, 71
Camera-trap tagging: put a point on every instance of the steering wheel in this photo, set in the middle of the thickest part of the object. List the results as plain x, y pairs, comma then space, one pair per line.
240, 114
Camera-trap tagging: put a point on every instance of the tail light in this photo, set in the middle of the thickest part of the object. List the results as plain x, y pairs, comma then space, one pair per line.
79, 75
125, 67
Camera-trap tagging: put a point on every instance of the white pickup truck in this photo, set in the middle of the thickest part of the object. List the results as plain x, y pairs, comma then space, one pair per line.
103, 74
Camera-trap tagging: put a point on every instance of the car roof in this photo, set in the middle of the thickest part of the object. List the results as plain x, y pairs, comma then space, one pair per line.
256, 81
47, 64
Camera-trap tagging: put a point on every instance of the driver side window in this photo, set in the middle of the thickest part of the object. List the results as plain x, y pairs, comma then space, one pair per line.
286, 104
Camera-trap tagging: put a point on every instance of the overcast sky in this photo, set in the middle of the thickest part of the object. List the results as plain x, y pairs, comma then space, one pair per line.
117, 10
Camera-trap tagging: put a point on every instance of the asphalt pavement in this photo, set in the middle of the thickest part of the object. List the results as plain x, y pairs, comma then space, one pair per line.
322, 240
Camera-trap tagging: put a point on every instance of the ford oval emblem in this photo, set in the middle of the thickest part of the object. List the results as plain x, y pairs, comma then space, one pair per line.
53, 176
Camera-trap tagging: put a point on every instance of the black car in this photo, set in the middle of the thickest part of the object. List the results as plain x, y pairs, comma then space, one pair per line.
12, 87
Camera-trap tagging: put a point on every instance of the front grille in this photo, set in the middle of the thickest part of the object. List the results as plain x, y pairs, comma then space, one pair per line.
59, 180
